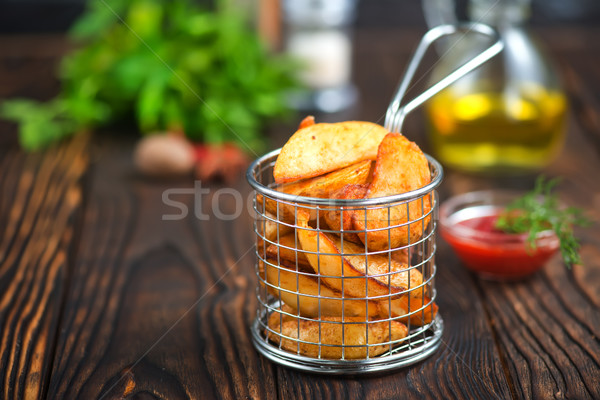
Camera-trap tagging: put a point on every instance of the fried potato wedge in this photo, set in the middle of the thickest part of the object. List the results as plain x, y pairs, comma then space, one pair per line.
321, 148
321, 187
379, 277
333, 334
285, 279
401, 167
300, 292
401, 256
392, 275
425, 309
268, 229
284, 252
330, 262
271, 227
342, 220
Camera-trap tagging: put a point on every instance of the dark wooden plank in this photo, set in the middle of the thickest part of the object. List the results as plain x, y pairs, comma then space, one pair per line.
585, 97
549, 332
158, 307
41, 197
29, 64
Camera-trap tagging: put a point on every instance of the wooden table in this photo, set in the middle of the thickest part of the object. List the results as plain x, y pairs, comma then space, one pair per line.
100, 297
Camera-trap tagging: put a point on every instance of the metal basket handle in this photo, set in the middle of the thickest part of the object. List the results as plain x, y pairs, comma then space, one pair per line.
396, 112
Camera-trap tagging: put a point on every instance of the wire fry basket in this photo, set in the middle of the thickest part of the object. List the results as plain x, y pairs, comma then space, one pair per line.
305, 319
336, 299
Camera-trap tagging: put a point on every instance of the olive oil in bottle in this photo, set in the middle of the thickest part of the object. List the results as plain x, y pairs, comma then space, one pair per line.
508, 116
491, 131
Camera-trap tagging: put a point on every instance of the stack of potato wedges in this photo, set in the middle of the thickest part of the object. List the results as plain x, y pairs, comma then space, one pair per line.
344, 275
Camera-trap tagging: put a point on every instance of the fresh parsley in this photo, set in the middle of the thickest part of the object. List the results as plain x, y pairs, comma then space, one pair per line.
540, 210
172, 64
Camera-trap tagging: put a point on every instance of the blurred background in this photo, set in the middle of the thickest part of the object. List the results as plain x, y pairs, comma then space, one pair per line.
333, 59
36, 16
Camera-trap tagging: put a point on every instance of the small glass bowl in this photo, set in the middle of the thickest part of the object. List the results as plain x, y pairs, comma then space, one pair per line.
466, 223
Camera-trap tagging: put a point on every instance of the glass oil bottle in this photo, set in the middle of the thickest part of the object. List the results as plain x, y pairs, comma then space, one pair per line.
507, 116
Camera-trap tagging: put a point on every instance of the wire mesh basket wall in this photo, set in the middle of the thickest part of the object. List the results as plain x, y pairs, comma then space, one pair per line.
343, 298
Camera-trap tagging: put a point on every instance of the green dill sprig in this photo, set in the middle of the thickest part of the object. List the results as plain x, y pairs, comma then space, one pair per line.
538, 211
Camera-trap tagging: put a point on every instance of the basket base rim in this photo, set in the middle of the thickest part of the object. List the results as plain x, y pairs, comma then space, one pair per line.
386, 362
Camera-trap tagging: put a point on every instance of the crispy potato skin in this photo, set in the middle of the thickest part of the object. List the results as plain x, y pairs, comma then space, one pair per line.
422, 310
299, 291
380, 277
324, 186
321, 148
401, 167
332, 332
269, 229
392, 276
284, 251
291, 261
342, 221
329, 262
321, 187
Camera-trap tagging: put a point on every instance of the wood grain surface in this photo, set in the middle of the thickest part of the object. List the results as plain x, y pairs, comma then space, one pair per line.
41, 197
158, 307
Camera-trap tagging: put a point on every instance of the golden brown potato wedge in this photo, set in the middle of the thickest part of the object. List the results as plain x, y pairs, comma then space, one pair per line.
268, 229
321, 187
399, 307
400, 167
271, 227
329, 262
398, 277
321, 148
285, 252
333, 218
333, 333
309, 285
400, 255
358, 279
300, 292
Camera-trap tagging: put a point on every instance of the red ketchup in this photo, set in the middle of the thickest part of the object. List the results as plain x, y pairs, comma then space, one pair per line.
492, 253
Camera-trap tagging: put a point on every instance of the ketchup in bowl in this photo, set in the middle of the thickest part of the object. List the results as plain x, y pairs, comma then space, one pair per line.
468, 225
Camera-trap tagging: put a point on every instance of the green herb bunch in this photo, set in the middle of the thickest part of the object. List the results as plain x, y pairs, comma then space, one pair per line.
172, 64
538, 211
